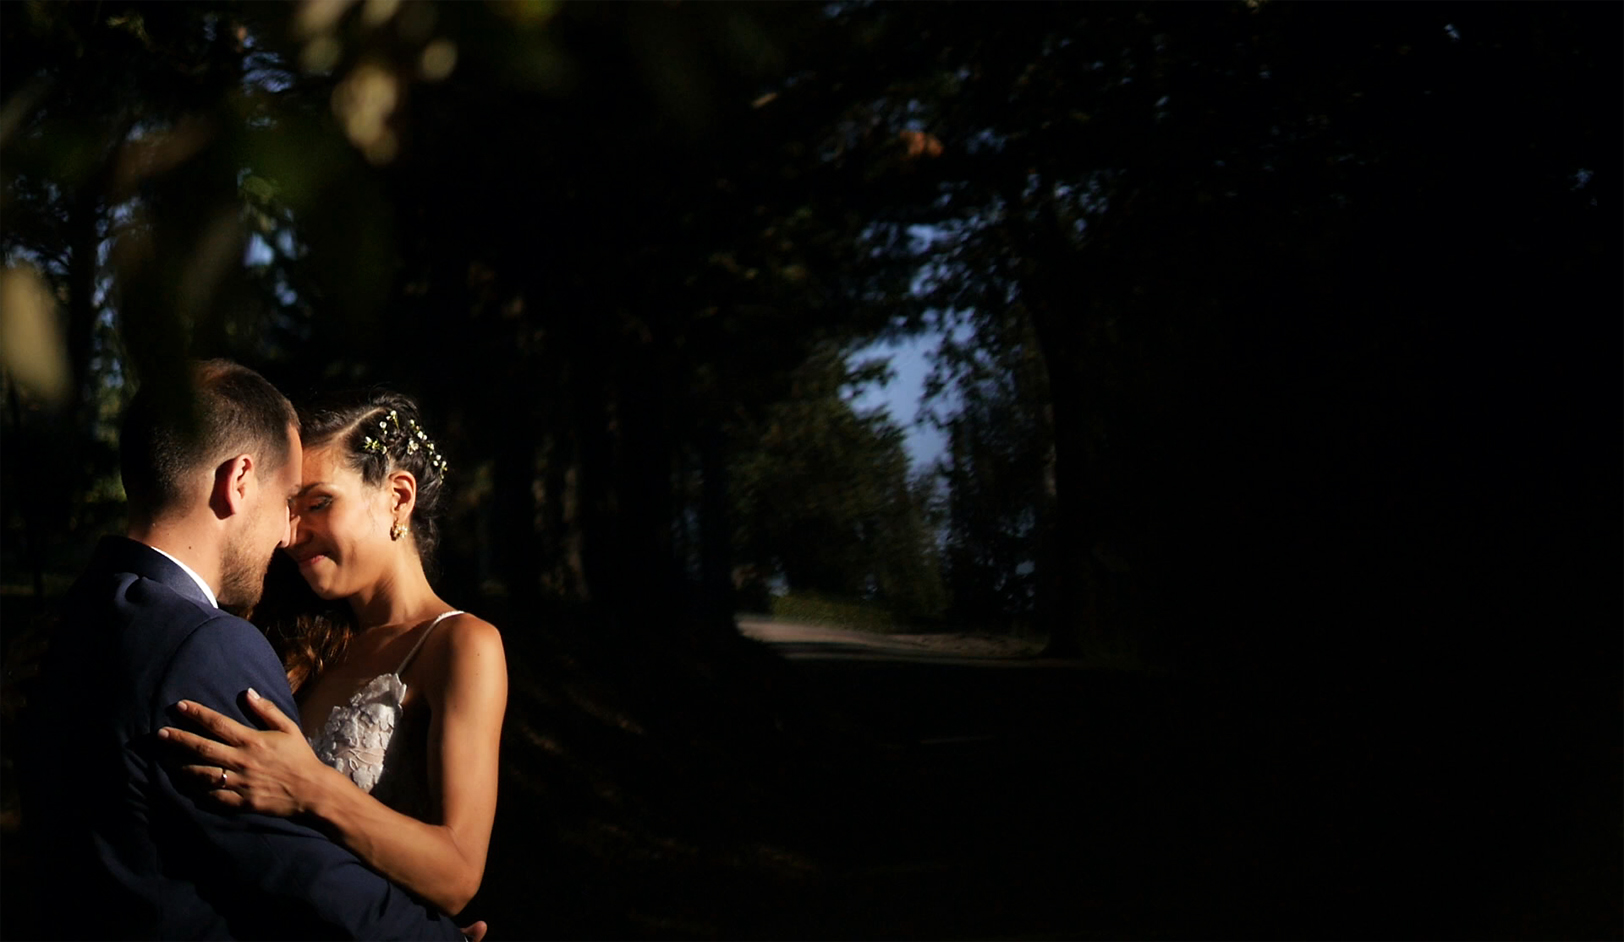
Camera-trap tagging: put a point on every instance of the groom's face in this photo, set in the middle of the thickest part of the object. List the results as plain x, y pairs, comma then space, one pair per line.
268, 527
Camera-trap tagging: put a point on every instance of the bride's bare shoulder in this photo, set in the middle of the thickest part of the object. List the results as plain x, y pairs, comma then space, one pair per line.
464, 650
468, 636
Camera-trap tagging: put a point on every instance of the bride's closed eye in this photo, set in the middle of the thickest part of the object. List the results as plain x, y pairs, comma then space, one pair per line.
318, 503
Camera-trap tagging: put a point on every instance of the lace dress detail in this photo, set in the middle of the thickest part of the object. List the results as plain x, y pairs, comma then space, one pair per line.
382, 749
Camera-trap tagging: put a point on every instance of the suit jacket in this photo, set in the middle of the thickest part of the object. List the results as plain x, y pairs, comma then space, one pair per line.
125, 853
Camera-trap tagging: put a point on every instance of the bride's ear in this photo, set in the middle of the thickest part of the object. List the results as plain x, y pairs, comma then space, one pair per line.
402, 494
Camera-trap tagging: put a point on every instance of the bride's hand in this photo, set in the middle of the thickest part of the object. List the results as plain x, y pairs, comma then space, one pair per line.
271, 771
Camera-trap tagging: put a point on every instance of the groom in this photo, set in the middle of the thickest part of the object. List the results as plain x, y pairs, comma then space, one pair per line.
126, 853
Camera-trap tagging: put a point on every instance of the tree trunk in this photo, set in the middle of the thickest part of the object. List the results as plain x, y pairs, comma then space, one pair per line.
595, 429
1055, 297
1070, 583
28, 485
715, 532
645, 576
84, 238
515, 511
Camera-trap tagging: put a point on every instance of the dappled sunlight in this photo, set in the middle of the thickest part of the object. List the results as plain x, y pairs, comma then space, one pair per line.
528, 13
319, 16
438, 59
370, 95
32, 347
365, 101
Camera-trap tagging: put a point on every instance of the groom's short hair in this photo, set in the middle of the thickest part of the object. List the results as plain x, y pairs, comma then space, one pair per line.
173, 429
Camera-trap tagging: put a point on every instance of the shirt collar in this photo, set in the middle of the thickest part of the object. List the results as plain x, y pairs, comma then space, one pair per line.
195, 577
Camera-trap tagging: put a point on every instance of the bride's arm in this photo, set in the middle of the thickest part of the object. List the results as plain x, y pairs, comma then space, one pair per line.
274, 772
443, 862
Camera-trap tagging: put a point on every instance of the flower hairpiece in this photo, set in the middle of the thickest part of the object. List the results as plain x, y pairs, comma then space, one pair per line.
414, 436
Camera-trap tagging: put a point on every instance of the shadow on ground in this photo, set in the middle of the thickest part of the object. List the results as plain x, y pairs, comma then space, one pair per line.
842, 787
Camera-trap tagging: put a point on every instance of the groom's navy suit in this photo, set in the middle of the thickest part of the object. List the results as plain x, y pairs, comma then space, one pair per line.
126, 853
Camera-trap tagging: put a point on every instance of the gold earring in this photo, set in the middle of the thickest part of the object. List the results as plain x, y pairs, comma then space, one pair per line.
396, 531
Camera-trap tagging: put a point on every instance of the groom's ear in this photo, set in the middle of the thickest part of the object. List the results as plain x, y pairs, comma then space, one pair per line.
233, 483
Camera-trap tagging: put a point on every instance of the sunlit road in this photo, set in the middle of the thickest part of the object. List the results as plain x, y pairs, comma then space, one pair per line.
802, 641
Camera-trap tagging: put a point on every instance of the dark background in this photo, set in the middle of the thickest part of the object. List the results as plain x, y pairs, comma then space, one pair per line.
1287, 384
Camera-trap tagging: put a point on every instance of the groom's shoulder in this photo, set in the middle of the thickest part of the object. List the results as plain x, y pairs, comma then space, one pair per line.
155, 613
143, 643
130, 583
198, 631
151, 620
213, 658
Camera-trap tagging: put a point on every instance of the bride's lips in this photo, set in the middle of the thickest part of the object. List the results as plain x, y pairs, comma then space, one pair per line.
307, 561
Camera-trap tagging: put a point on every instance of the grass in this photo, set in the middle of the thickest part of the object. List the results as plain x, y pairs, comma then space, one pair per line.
818, 609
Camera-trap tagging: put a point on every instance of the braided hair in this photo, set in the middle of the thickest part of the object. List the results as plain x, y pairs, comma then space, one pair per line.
378, 432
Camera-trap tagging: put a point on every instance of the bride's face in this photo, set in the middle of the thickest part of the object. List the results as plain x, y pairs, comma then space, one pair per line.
341, 536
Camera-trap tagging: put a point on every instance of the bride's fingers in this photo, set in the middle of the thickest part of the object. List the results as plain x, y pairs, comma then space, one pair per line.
217, 778
227, 798
270, 713
208, 773
206, 749
223, 727
207, 780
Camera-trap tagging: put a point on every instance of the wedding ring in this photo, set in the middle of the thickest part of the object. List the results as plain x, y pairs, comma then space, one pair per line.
223, 774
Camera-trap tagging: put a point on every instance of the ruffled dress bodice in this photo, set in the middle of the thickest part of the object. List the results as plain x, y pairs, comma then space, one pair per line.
378, 744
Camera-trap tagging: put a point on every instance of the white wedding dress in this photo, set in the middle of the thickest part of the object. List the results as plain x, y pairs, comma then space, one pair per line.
380, 746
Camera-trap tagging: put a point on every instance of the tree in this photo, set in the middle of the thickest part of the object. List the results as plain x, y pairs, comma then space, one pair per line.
85, 152
1188, 205
823, 496
1159, 193
998, 474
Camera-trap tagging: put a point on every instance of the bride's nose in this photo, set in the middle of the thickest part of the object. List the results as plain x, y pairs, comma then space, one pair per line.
298, 532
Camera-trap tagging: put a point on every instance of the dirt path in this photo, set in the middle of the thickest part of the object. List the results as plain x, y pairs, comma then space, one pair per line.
1000, 779
801, 640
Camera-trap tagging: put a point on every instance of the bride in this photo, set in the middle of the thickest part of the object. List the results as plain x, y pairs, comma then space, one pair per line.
401, 696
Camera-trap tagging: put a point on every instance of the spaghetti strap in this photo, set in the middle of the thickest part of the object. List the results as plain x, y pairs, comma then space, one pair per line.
424, 637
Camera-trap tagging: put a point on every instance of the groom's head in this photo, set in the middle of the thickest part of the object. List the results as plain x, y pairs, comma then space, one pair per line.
221, 451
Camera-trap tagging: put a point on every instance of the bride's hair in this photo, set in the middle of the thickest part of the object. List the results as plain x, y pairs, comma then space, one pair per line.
378, 432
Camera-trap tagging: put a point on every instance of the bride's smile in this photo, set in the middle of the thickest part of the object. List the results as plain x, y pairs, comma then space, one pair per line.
341, 527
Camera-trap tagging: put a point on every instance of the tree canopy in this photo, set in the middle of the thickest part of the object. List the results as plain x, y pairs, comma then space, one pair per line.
1261, 266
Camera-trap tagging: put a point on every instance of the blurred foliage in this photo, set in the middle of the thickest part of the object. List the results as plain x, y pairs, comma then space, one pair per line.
452, 198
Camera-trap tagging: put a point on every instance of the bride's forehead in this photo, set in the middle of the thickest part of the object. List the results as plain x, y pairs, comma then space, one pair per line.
326, 464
